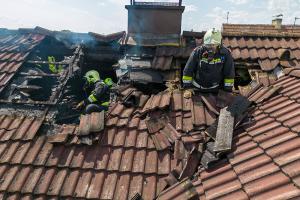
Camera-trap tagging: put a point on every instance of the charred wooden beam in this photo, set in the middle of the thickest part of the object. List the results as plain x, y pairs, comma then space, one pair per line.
28, 102
46, 62
39, 74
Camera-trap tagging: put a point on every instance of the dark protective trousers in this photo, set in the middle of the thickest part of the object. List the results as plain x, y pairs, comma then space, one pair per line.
94, 108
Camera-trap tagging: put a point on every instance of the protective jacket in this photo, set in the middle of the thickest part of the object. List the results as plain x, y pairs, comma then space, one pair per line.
210, 73
99, 95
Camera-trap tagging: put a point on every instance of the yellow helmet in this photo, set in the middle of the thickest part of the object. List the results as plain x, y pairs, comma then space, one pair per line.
92, 76
213, 36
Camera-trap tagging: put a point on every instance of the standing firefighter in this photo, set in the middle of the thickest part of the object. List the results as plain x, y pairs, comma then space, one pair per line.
98, 93
210, 66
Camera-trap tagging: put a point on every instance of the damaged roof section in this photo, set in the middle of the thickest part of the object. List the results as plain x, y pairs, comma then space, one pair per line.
13, 52
264, 157
135, 154
149, 144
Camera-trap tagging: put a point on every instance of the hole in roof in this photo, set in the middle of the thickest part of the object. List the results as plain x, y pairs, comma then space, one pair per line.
242, 77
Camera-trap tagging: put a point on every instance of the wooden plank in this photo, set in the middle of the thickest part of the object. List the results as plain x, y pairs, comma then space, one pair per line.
225, 131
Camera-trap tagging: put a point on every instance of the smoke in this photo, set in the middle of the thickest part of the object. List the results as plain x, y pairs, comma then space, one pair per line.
72, 39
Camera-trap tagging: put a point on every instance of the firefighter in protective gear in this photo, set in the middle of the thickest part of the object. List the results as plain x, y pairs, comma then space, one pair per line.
210, 66
99, 93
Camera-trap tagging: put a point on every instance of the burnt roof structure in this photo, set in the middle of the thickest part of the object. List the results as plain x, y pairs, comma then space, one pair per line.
158, 145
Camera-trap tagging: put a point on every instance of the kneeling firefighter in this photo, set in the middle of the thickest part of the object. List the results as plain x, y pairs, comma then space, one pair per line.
98, 93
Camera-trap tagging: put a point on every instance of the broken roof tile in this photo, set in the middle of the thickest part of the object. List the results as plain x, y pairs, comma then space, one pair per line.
58, 138
91, 123
181, 190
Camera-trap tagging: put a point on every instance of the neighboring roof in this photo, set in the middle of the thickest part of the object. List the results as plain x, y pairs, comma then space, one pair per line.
261, 30
14, 48
267, 52
262, 45
264, 162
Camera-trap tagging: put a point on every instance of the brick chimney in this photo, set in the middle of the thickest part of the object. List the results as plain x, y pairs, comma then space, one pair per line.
154, 18
277, 23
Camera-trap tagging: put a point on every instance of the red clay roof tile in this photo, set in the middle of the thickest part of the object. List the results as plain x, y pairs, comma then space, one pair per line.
44, 181
57, 182
34, 150
20, 153
70, 183
265, 183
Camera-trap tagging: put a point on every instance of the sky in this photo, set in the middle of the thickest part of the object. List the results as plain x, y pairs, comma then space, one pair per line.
109, 16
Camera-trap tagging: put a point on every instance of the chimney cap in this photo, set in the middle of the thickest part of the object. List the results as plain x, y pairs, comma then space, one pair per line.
156, 3
279, 16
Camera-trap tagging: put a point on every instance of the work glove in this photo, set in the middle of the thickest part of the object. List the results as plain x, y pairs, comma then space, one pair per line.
188, 93
80, 105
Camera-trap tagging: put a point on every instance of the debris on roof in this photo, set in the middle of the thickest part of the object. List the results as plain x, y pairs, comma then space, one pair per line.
154, 142
224, 131
263, 155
